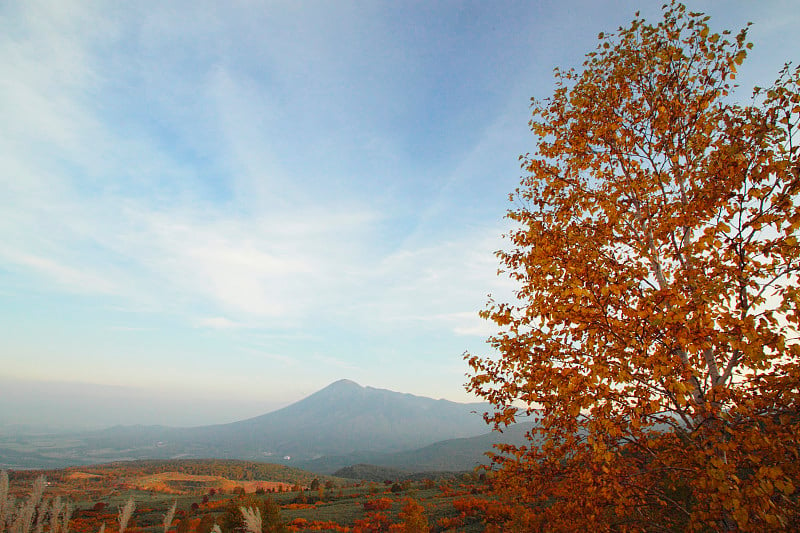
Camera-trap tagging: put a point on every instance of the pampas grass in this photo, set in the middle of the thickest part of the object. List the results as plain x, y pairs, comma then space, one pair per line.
6, 503
27, 511
33, 514
252, 519
170, 516
68, 509
125, 515
55, 509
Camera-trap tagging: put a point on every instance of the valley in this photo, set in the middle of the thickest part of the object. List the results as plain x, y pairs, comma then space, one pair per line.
346, 458
339, 426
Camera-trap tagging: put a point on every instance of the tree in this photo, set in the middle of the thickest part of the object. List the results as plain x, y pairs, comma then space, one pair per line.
273, 522
412, 517
654, 331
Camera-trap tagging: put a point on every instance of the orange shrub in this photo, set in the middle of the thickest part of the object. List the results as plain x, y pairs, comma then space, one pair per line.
377, 504
301, 524
296, 506
372, 523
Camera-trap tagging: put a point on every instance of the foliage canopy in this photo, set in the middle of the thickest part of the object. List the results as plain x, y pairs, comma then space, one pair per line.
654, 331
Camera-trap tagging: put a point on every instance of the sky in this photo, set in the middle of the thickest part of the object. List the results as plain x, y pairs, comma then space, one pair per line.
209, 210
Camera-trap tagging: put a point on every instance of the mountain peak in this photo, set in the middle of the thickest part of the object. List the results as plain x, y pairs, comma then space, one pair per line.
344, 384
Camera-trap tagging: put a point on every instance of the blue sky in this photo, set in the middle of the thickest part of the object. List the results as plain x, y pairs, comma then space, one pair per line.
210, 210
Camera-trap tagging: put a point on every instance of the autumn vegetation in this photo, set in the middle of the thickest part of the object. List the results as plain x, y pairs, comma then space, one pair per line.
112, 503
654, 334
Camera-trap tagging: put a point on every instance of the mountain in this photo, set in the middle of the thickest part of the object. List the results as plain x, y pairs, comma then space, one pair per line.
341, 419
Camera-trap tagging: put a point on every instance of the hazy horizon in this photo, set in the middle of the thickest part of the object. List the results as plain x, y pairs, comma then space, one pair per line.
210, 212
65, 407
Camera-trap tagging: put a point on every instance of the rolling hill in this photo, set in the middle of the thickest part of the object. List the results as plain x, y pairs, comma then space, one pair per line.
451, 455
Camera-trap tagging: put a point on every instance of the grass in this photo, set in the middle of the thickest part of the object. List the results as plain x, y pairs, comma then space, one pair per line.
33, 513
104, 502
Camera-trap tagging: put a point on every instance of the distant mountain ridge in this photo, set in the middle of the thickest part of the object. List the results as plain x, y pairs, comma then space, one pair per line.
343, 418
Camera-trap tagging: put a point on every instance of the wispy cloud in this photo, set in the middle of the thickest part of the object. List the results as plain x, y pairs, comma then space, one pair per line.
275, 248
290, 186
67, 278
219, 322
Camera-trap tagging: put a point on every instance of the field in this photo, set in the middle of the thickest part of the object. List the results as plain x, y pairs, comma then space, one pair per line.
212, 492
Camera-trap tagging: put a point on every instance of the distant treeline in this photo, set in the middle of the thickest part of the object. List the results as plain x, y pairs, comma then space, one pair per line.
227, 468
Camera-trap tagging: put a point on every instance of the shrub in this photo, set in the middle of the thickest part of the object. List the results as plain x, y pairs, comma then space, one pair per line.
377, 504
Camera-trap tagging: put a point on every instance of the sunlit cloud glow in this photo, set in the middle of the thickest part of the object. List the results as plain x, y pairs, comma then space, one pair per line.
259, 199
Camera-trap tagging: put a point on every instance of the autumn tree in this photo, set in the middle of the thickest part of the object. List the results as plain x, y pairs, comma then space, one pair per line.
412, 518
273, 522
653, 334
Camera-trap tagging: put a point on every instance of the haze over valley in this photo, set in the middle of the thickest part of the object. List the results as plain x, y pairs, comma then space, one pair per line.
339, 426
